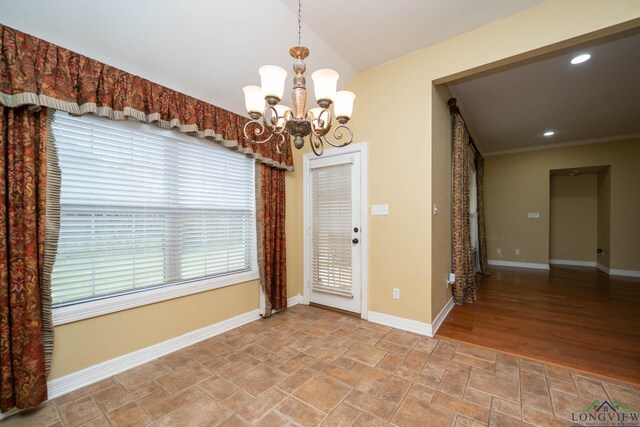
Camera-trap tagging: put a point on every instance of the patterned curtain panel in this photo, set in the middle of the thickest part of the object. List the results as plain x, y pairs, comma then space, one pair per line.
272, 252
464, 288
23, 371
482, 230
38, 73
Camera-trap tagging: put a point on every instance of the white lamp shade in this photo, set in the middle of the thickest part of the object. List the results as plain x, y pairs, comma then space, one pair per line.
325, 82
343, 103
272, 79
253, 99
315, 113
281, 110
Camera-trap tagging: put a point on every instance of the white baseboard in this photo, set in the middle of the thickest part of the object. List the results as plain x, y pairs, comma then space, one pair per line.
533, 265
617, 271
92, 374
441, 316
572, 262
400, 323
294, 300
627, 273
412, 325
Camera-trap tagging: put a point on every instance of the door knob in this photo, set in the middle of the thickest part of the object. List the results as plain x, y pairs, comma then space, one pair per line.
355, 241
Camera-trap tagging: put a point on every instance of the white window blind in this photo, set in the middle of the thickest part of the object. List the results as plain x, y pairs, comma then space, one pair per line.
331, 223
141, 209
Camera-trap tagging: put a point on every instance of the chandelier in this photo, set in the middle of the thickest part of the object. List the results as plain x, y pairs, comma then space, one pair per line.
266, 112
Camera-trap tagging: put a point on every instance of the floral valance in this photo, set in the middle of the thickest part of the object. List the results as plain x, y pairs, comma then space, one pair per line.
38, 73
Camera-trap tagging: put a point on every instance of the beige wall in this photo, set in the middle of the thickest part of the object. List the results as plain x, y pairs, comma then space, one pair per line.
604, 217
519, 183
393, 112
573, 217
441, 196
294, 224
81, 344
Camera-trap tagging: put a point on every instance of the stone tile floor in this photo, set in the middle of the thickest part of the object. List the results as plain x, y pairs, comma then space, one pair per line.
309, 367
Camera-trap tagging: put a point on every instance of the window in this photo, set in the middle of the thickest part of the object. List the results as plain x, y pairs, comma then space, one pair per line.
144, 209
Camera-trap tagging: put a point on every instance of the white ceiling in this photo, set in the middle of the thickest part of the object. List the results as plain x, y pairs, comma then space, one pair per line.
370, 32
211, 49
593, 101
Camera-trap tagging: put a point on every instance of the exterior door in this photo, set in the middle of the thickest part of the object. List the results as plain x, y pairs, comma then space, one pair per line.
334, 231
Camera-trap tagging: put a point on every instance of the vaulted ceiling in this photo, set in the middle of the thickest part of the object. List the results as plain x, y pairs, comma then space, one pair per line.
211, 49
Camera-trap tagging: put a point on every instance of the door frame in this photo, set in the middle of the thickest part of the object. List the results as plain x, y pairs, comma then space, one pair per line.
363, 149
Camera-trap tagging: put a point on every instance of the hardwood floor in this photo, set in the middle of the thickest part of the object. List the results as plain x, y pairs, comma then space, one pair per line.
574, 317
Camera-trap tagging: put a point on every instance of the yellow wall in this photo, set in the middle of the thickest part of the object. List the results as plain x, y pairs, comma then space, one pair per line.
441, 196
393, 111
81, 344
604, 217
294, 224
519, 183
573, 226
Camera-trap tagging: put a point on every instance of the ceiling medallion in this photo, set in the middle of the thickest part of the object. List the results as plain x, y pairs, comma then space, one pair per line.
266, 112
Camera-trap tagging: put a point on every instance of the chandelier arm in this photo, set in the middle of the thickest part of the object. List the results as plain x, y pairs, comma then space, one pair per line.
274, 118
338, 135
281, 143
258, 131
317, 144
324, 124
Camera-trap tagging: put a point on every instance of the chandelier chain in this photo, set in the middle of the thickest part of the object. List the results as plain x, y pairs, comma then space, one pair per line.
299, 22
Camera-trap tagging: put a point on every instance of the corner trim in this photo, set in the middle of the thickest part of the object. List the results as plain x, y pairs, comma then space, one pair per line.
533, 265
412, 325
572, 262
442, 315
603, 268
68, 383
562, 144
294, 300
400, 323
627, 273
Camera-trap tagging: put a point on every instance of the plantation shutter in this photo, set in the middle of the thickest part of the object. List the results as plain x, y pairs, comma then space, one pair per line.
331, 229
142, 209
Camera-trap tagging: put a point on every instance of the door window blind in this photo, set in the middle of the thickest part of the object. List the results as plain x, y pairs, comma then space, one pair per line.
331, 222
140, 209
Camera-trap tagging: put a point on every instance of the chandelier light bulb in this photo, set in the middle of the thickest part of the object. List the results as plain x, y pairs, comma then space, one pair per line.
272, 79
253, 99
343, 103
325, 82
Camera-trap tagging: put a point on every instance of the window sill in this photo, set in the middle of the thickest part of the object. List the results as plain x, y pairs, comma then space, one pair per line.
86, 310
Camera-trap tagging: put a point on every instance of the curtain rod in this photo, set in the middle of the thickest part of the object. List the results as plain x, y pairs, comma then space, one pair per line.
453, 109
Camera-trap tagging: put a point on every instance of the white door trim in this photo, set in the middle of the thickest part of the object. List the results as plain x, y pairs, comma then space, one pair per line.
363, 149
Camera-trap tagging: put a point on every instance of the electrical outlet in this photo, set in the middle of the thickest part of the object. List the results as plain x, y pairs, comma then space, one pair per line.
451, 279
377, 210
499, 251
396, 293
517, 251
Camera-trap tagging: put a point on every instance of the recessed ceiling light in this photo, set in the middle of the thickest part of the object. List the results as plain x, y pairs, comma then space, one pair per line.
549, 133
580, 59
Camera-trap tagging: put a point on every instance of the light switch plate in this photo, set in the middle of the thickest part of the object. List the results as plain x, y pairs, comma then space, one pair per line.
379, 210
534, 215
